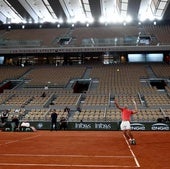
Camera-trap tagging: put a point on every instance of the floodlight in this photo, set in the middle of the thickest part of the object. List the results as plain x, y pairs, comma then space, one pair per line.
87, 24
128, 19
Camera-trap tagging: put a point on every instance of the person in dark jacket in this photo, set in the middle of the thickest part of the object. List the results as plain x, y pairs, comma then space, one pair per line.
15, 123
54, 120
4, 116
63, 123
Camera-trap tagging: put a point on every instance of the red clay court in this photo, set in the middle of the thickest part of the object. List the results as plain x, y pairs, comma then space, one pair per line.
83, 150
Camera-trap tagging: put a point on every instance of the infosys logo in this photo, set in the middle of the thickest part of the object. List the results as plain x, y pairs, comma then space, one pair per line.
160, 127
102, 126
137, 126
82, 126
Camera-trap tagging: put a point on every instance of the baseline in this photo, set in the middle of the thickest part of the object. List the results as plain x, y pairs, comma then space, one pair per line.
65, 164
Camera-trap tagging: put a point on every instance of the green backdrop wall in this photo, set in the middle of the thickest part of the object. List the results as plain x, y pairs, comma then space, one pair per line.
112, 126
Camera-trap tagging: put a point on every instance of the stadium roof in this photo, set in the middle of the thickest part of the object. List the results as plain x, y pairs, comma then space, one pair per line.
82, 11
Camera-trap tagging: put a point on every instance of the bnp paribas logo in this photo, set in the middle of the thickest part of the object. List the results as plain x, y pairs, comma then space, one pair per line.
160, 127
137, 126
40, 125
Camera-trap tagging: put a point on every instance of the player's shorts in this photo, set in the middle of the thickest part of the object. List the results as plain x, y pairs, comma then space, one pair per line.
125, 125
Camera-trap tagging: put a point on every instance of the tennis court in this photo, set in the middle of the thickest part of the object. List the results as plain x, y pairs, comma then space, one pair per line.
83, 150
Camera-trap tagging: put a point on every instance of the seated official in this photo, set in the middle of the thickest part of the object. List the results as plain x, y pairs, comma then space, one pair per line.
63, 123
14, 123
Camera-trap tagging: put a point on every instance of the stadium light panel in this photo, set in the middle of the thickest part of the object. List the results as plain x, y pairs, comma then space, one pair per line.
115, 19
24, 21
152, 9
124, 23
60, 20
139, 23
154, 23
87, 24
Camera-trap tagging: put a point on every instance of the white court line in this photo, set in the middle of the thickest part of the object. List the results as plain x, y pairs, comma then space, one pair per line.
14, 141
136, 161
3, 141
67, 165
68, 155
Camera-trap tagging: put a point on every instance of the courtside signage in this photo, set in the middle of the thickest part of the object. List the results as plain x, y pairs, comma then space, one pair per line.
83, 126
106, 126
137, 126
94, 126
160, 127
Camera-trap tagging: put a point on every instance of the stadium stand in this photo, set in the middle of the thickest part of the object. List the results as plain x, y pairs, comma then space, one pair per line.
83, 36
97, 103
32, 37
40, 86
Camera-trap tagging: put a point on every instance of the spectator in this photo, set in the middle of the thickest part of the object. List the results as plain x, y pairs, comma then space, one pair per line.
17, 111
66, 109
78, 109
43, 94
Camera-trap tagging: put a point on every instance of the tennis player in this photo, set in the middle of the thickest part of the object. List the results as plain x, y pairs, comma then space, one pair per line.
125, 124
